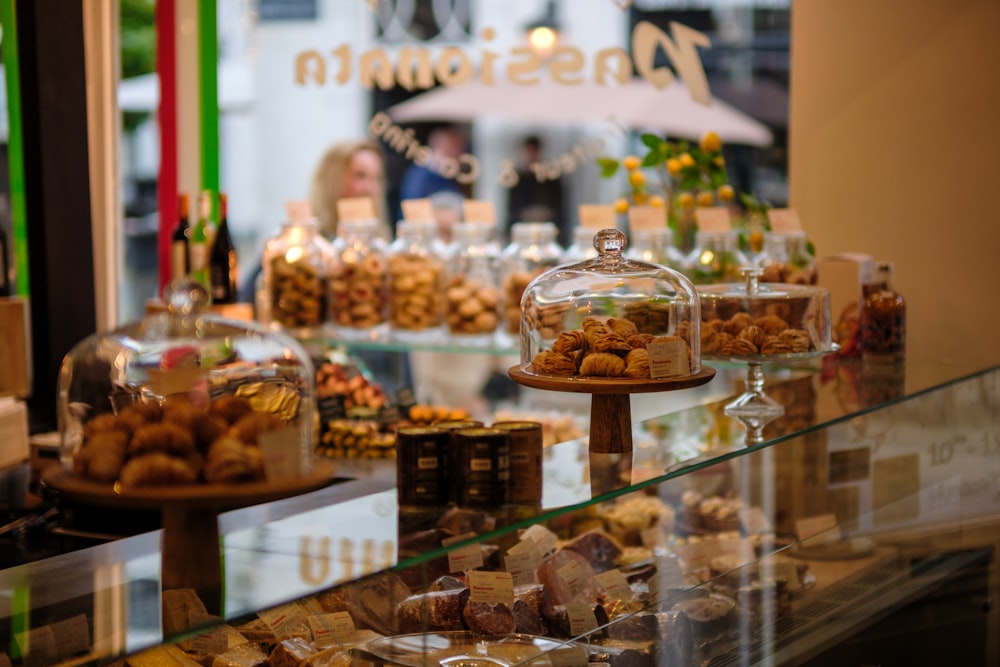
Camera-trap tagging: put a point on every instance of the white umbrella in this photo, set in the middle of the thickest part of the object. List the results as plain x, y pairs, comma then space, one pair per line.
142, 93
636, 104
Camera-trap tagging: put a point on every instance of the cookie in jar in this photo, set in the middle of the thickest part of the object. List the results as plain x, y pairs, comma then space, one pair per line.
416, 281
532, 251
472, 295
359, 280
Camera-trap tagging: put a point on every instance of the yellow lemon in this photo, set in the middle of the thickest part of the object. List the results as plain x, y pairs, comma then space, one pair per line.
673, 166
719, 161
685, 200
640, 198
705, 199
686, 160
621, 206
725, 193
657, 201
637, 179
710, 143
631, 162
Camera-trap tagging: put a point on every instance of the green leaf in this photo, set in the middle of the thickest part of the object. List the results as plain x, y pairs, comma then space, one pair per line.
651, 140
810, 248
717, 178
689, 182
608, 165
652, 159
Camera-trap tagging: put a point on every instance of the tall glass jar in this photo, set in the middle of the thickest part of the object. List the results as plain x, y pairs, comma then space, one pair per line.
296, 266
716, 258
582, 247
883, 319
786, 259
358, 283
472, 296
416, 281
655, 246
532, 251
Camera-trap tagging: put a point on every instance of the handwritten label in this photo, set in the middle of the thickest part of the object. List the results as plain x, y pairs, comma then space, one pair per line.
574, 577
479, 210
464, 558
568, 656
646, 217
824, 525
784, 220
615, 585
419, 210
523, 565
176, 381
491, 587
581, 618
330, 629
545, 539
279, 451
210, 642
282, 620
668, 359
754, 521
597, 216
713, 219
669, 573
356, 208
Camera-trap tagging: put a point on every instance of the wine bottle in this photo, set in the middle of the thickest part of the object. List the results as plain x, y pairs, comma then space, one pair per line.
179, 264
222, 260
198, 245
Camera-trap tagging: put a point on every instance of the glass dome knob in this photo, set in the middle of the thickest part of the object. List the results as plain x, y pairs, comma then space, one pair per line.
609, 242
752, 275
184, 297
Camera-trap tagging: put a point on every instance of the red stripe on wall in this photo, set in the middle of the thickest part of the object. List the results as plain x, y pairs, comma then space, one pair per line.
166, 68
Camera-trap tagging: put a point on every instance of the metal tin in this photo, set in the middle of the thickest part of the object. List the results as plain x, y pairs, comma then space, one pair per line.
483, 468
525, 460
423, 466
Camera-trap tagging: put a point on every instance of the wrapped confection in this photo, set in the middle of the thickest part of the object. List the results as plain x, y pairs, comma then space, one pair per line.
435, 611
600, 549
489, 619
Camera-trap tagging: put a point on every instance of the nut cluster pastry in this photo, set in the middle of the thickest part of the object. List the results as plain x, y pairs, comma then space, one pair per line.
149, 444
471, 307
612, 348
358, 290
743, 335
415, 286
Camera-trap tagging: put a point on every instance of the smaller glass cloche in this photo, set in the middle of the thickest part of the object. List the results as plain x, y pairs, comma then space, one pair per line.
184, 397
610, 317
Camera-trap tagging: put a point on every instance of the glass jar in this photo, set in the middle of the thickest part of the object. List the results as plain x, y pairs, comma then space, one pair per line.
716, 258
416, 280
655, 246
582, 247
184, 398
606, 316
358, 283
472, 295
532, 251
786, 259
883, 319
296, 265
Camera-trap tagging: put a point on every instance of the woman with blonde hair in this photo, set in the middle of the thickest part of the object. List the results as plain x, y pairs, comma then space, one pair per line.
348, 169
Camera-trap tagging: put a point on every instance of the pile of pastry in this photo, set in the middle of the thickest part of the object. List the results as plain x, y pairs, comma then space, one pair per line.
611, 348
742, 334
176, 442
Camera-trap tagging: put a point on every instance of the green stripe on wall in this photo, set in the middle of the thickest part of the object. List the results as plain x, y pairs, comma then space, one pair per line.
208, 86
15, 147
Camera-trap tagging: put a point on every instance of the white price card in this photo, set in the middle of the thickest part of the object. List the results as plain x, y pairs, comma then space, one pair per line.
176, 380
713, 219
668, 358
646, 217
417, 210
479, 210
822, 525
491, 587
545, 539
597, 216
522, 565
784, 220
574, 577
615, 585
754, 521
651, 537
356, 208
212, 641
330, 629
569, 656
464, 558
282, 620
280, 452
669, 573
581, 618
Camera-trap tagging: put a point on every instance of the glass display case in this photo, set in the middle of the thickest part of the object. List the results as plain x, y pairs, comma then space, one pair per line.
862, 530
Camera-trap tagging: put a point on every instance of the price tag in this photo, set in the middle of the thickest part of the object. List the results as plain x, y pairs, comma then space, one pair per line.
754, 521
479, 210
545, 539
574, 577
356, 208
282, 620
522, 565
669, 573
615, 585
782, 569
713, 219
176, 381
824, 525
693, 555
465, 558
279, 450
419, 210
597, 216
581, 618
569, 656
331, 408
784, 220
651, 537
389, 416
668, 359
646, 217
405, 398
311, 606
330, 629
211, 642
491, 587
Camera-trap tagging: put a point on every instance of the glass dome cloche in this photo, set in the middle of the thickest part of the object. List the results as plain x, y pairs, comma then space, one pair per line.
184, 397
611, 318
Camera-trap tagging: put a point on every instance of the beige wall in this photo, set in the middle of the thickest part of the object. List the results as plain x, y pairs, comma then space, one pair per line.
895, 151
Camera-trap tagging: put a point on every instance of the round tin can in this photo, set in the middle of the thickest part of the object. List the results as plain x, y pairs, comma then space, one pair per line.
483, 468
423, 466
525, 460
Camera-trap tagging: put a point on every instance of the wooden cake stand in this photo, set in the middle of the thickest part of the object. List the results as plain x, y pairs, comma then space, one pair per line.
190, 548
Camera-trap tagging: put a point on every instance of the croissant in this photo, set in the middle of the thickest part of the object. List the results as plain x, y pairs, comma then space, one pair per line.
157, 469
739, 346
637, 363
771, 324
163, 437
229, 460
101, 459
602, 364
737, 323
639, 340
797, 339
754, 334
250, 426
569, 341
714, 343
623, 327
774, 345
230, 408
609, 342
550, 362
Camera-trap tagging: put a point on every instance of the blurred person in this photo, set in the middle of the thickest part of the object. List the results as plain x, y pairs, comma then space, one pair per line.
534, 199
421, 180
447, 207
348, 169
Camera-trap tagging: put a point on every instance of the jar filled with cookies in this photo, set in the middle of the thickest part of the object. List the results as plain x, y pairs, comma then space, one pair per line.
416, 281
184, 398
295, 269
716, 258
786, 259
656, 246
532, 251
472, 294
620, 319
359, 281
